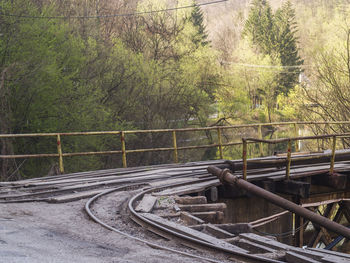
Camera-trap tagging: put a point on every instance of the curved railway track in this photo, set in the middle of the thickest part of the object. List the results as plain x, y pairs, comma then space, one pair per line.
168, 192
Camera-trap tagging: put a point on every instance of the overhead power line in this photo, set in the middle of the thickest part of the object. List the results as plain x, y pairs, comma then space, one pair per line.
264, 66
114, 15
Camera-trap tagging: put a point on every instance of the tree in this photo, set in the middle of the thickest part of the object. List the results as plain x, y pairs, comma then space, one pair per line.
275, 35
200, 37
43, 83
330, 96
286, 41
63, 75
259, 27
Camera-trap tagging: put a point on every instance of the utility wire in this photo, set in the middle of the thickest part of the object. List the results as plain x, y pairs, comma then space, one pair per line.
114, 15
265, 66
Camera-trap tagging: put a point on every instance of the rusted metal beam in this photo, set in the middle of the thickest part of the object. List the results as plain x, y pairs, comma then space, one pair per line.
59, 150
122, 140
289, 155
226, 177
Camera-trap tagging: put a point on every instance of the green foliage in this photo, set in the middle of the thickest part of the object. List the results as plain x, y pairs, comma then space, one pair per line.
260, 26
286, 29
274, 35
61, 77
200, 37
254, 91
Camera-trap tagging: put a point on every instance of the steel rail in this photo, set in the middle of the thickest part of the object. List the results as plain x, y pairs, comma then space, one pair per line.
273, 141
142, 220
151, 244
169, 130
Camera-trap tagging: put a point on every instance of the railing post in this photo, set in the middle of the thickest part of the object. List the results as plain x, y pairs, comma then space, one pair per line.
60, 155
175, 147
220, 143
331, 170
260, 143
244, 157
289, 159
122, 139
296, 134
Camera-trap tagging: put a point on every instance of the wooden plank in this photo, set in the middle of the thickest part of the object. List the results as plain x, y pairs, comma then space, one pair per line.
217, 232
336, 180
73, 197
264, 241
334, 259
172, 181
146, 204
213, 194
190, 219
187, 189
237, 228
323, 198
297, 188
316, 237
204, 207
193, 233
171, 215
315, 255
330, 252
186, 200
214, 217
344, 205
293, 257
85, 186
253, 247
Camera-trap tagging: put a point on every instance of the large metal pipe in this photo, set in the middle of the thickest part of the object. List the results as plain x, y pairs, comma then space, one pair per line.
226, 176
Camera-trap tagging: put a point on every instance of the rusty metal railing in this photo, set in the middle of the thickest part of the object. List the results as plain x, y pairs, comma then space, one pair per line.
175, 148
289, 141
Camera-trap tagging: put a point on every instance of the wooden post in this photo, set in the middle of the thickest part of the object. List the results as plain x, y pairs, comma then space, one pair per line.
331, 170
301, 232
60, 155
176, 160
220, 143
289, 159
122, 139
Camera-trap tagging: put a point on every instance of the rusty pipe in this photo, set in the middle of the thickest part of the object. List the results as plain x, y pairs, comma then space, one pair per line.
226, 176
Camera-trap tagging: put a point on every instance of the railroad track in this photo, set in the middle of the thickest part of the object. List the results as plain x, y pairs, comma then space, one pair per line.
179, 202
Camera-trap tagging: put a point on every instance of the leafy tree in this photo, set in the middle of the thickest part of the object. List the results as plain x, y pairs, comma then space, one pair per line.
42, 68
154, 71
329, 98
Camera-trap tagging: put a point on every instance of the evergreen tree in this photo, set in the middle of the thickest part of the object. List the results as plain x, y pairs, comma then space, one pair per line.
201, 37
286, 28
274, 35
259, 26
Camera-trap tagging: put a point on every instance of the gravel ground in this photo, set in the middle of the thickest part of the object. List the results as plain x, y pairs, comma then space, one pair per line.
42, 232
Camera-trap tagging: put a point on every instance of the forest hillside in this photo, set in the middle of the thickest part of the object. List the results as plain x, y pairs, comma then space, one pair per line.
74, 65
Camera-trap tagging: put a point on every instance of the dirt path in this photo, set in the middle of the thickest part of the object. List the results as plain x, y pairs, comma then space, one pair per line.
41, 232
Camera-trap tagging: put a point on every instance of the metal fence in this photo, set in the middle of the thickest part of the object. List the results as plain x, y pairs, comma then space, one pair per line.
289, 141
123, 151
